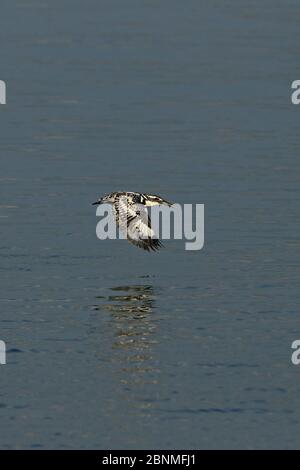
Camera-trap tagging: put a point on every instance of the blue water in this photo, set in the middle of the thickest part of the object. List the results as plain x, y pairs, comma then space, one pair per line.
109, 346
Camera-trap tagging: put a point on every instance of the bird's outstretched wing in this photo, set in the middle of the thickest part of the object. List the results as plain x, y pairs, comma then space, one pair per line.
135, 223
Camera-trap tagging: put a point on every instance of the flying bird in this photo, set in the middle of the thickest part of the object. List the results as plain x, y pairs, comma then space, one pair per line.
131, 215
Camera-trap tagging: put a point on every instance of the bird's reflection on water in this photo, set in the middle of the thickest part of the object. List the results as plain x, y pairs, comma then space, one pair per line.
132, 318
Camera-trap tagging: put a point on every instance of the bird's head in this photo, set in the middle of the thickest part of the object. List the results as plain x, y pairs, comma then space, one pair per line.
107, 199
153, 200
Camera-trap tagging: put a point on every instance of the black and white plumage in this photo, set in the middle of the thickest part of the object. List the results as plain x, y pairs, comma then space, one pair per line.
131, 215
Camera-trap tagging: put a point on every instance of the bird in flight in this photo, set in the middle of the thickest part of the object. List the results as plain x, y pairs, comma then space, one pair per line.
131, 215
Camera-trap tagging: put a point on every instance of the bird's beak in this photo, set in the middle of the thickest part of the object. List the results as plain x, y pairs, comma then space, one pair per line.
96, 203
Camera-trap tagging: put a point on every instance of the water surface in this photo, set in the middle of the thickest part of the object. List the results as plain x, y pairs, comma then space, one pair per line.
109, 346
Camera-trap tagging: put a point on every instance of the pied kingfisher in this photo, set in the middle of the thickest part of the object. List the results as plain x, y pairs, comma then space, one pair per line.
132, 216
